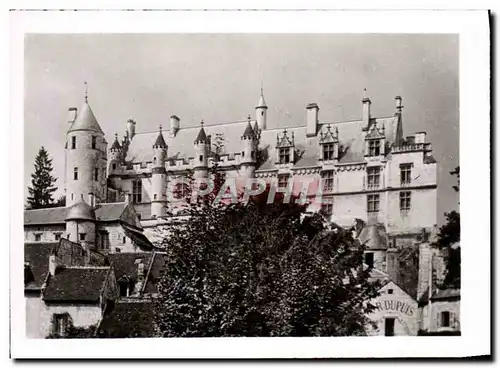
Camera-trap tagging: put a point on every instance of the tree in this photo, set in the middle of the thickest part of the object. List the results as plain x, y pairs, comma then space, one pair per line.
448, 239
42, 182
261, 269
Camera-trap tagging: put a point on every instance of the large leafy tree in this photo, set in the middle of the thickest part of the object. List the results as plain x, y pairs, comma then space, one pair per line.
261, 269
42, 182
449, 240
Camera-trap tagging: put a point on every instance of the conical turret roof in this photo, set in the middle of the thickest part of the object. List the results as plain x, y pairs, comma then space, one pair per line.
249, 131
262, 102
80, 211
85, 120
160, 142
116, 144
202, 136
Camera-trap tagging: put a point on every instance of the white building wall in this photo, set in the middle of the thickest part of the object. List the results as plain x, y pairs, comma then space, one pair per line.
47, 233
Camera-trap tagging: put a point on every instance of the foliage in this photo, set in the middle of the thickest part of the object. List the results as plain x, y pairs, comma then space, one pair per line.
42, 182
73, 332
262, 270
448, 239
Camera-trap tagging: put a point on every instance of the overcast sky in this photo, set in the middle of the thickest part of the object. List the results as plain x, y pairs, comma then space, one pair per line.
217, 78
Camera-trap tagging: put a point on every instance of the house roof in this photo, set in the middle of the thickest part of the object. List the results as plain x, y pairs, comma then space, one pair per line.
128, 319
248, 131
80, 211
116, 144
36, 259
181, 146
57, 215
76, 284
440, 294
125, 264
155, 273
85, 120
160, 141
202, 136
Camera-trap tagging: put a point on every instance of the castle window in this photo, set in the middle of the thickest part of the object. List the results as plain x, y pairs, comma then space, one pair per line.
113, 166
201, 158
327, 208
118, 250
75, 173
82, 236
124, 239
94, 141
252, 154
104, 240
373, 203
283, 180
38, 237
389, 326
73, 142
327, 177
154, 196
139, 216
242, 153
390, 291
96, 174
154, 160
404, 201
328, 151
136, 191
369, 259
373, 177
284, 155
374, 147
57, 236
405, 170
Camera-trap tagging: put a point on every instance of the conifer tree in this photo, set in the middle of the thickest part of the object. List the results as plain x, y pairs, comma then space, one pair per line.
42, 182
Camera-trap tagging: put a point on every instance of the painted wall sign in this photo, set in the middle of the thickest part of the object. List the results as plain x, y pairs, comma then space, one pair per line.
396, 306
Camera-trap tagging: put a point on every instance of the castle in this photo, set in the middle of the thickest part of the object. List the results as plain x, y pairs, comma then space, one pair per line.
116, 197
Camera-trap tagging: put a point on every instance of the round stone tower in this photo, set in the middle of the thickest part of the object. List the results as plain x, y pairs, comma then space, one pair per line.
80, 223
86, 161
158, 176
248, 151
202, 150
261, 111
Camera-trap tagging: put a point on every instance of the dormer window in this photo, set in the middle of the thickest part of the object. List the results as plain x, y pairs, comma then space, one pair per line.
328, 151
284, 155
374, 147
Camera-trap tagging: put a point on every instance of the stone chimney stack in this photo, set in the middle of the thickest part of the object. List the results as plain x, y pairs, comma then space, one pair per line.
174, 125
72, 112
52, 264
392, 264
130, 128
91, 200
128, 197
399, 103
312, 119
366, 110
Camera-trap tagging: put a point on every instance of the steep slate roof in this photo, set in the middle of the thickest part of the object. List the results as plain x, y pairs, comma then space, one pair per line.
79, 284
124, 264
440, 294
85, 120
181, 146
57, 215
160, 141
116, 144
36, 258
202, 136
248, 131
155, 273
128, 319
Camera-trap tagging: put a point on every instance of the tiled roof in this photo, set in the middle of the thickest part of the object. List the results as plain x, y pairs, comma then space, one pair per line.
139, 238
36, 259
202, 136
440, 294
85, 120
155, 273
79, 284
116, 144
160, 141
248, 131
57, 215
128, 319
124, 264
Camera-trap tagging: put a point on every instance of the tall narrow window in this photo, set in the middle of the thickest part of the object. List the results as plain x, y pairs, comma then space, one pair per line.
373, 203
284, 155
73, 142
327, 177
113, 166
82, 236
405, 173
60, 324
374, 147
373, 174
404, 201
369, 259
75, 173
38, 237
104, 240
328, 151
94, 142
445, 319
57, 236
283, 180
96, 174
327, 208
137, 191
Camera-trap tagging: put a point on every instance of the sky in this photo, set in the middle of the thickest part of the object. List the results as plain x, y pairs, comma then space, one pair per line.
217, 78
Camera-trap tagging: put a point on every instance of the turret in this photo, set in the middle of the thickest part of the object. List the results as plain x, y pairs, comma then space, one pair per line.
115, 155
80, 222
158, 176
202, 150
261, 111
248, 150
86, 160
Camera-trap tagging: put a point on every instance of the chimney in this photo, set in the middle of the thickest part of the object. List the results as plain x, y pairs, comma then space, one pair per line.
392, 264
52, 264
91, 200
72, 112
399, 103
130, 128
312, 119
174, 125
86, 252
140, 277
366, 110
